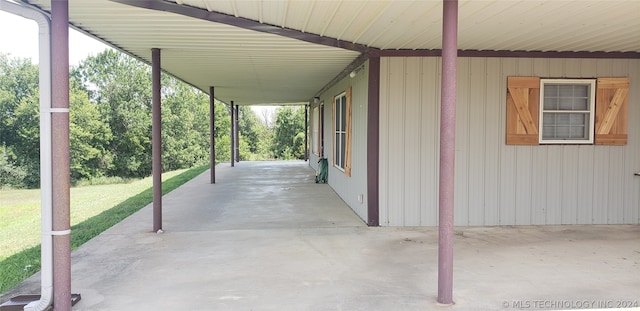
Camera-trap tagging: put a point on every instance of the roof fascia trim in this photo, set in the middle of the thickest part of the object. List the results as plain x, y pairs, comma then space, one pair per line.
244, 23
508, 54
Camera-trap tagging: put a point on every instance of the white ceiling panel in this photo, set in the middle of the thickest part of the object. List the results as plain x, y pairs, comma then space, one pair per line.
254, 67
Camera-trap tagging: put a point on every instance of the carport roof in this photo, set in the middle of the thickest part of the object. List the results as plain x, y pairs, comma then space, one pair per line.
283, 51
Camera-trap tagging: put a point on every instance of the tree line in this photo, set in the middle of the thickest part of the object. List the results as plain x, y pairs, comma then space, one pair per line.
110, 123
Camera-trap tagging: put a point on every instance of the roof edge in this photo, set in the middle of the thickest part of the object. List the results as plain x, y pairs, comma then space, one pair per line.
509, 54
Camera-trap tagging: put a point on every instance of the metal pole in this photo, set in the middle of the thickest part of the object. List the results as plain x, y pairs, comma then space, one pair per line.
447, 150
373, 143
306, 132
156, 140
237, 152
322, 130
212, 139
233, 144
60, 156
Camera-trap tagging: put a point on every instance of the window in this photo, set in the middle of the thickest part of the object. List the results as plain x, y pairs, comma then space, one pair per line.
340, 117
315, 135
342, 131
567, 109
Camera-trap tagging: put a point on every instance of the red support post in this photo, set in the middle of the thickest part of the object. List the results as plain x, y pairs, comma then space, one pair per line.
306, 132
61, 156
233, 144
156, 139
237, 125
447, 151
212, 139
373, 143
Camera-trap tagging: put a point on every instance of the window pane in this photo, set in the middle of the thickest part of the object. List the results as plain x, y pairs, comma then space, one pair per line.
577, 119
581, 103
337, 151
579, 126
566, 97
563, 132
562, 118
550, 103
559, 126
549, 119
577, 132
581, 90
342, 149
548, 132
337, 114
551, 90
343, 113
565, 104
565, 90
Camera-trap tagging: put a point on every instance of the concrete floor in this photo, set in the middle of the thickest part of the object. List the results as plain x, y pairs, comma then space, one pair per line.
266, 237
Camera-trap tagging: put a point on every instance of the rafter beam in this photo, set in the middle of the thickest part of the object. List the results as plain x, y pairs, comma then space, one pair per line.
244, 23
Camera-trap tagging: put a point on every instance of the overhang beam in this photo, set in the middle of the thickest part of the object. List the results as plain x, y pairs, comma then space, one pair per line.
244, 23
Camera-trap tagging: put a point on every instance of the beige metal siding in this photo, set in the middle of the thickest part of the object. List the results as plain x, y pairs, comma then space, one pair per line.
429, 148
349, 188
498, 184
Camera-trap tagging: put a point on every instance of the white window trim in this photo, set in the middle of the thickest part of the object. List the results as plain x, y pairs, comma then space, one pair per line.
591, 111
336, 145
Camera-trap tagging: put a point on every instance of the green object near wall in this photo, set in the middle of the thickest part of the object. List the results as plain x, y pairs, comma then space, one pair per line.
323, 171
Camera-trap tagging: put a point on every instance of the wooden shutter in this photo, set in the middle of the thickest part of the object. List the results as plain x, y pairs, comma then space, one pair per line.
347, 156
612, 99
523, 100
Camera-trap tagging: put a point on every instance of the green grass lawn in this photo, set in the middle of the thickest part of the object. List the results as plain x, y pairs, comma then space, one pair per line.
93, 210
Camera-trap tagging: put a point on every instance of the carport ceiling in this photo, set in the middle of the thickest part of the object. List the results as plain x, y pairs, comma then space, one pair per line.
286, 51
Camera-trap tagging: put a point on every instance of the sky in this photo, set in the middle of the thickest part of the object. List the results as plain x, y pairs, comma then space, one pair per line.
19, 37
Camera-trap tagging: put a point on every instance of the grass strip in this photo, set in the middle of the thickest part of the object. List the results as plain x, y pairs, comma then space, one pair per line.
16, 268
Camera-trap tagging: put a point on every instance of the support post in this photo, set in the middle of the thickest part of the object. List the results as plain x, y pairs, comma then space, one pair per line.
373, 142
321, 130
447, 151
233, 143
306, 132
237, 125
212, 137
156, 139
61, 156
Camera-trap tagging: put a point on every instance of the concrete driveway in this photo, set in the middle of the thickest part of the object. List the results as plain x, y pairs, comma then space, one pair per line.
267, 237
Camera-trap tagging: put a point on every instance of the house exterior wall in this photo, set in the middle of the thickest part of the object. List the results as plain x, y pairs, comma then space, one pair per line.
349, 188
499, 184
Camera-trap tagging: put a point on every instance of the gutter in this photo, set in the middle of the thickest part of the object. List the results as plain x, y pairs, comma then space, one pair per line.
46, 196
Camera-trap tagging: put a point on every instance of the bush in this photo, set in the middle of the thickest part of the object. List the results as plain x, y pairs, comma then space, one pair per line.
104, 180
11, 175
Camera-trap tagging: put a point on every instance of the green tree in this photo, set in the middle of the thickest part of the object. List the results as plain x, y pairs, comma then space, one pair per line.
11, 175
110, 121
18, 82
289, 125
121, 86
255, 137
19, 116
222, 130
248, 124
89, 138
185, 126
26, 144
